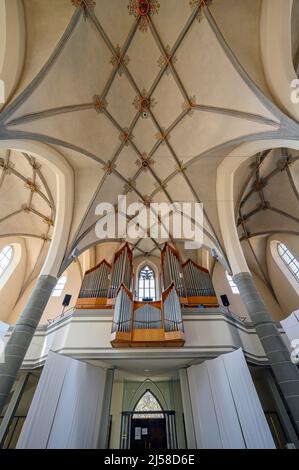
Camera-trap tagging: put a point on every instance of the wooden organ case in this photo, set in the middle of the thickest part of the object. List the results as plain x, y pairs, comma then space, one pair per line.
146, 323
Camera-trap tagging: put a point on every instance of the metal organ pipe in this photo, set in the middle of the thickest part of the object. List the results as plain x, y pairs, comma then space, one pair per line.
198, 281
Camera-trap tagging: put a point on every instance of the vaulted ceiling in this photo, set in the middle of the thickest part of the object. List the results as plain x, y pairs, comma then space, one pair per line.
27, 206
149, 96
26, 196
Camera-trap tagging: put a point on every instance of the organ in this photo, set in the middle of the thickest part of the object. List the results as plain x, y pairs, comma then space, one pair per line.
122, 272
94, 289
199, 287
147, 323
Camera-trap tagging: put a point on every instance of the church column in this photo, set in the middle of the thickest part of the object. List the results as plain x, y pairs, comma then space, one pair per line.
188, 416
22, 334
19, 341
285, 372
105, 415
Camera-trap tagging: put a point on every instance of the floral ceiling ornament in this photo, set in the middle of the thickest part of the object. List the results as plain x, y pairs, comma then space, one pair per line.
200, 4
48, 221
167, 60
45, 238
163, 135
145, 162
7, 166
181, 167
109, 167
31, 185
142, 9
35, 165
188, 106
144, 103
84, 4
125, 136
25, 208
129, 186
99, 103
119, 61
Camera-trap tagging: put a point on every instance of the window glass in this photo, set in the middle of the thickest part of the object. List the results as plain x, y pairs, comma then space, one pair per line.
146, 284
148, 402
6, 256
289, 260
57, 291
232, 284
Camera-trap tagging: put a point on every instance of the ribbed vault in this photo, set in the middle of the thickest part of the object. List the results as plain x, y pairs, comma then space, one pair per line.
268, 202
151, 93
27, 206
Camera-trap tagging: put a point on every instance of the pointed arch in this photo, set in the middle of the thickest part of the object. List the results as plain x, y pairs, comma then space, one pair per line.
146, 283
146, 405
148, 384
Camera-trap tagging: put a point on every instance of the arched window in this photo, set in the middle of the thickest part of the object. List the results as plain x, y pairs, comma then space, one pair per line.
57, 291
232, 284
146, 284
148, 402
289, 260
6, 256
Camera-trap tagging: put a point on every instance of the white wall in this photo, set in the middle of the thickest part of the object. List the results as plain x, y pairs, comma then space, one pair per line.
237, 306
54, 307
116, 410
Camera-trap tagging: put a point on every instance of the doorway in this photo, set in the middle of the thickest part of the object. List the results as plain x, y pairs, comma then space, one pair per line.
148, 433
148, 426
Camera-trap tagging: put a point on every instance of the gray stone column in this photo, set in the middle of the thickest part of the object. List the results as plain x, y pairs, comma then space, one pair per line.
285, 372
105, 415
20, 339
188, 416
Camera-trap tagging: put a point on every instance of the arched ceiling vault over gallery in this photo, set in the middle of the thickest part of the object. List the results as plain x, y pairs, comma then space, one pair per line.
27, 205
267, 203
153, 103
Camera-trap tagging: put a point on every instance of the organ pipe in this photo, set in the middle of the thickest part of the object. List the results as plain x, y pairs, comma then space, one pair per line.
122, 270
172, 271
96, 281
197, 280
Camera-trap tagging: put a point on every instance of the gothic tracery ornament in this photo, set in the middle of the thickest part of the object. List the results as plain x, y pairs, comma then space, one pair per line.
167, 60
109, 167
99, 103
144, 103
49, 221
201, 4
125, 136
32, 186
163, 135
144, 162
181, 167
189, 105
84, 3
142, 9
119, 61
129, 186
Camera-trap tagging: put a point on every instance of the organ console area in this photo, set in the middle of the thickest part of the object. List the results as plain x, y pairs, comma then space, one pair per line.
147, 323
